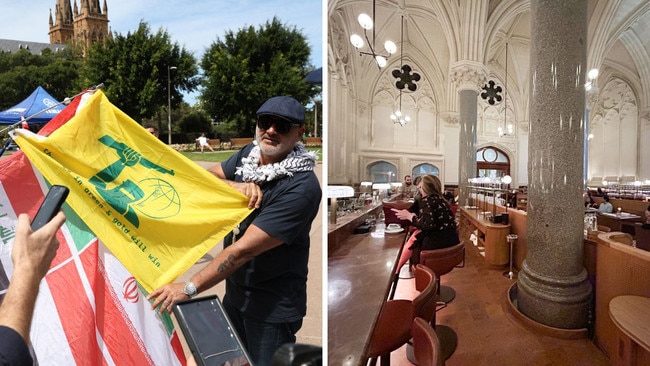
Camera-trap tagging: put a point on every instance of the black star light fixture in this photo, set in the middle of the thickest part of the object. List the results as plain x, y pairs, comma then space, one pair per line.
406, 78
492, 93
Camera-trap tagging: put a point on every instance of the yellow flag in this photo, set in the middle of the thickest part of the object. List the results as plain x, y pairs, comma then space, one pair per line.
156, 210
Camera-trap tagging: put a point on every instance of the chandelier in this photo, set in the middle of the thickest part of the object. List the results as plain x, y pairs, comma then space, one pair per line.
367, 23
406, 78
492, 92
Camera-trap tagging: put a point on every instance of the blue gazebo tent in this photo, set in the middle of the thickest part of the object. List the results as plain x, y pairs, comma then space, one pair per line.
36, 102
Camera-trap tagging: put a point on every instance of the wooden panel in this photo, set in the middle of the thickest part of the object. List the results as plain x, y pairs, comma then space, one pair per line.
620, 270
632, 206
490, 236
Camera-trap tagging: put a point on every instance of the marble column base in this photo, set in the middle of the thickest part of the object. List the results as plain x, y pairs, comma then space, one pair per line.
560, 302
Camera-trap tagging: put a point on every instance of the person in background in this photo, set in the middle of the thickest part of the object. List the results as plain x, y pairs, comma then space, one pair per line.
152, 129
32, 254
417, 194
646, 224
203, 142
449, 196
605, 206
589, 201
408, 189
264, 260
435, 221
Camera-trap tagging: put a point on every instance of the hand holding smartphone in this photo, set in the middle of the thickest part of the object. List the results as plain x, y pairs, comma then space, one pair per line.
50, 206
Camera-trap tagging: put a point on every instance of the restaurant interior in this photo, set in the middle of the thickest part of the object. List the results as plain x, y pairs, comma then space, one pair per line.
530, 113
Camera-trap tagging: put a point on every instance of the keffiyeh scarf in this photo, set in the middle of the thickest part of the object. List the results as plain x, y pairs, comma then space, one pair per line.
298, 160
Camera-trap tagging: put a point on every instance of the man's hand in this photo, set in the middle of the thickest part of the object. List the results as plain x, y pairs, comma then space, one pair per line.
167, 295
250, 190
34, 251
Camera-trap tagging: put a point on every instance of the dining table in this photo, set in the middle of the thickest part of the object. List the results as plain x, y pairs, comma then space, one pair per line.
619, 221
360, 275
630, 314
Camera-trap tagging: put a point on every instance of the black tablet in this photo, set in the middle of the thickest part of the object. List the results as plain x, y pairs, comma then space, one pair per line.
209, 333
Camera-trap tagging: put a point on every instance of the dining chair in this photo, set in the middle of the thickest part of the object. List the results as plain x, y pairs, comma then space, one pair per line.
442, 261
642, 237
426, 345
393, 327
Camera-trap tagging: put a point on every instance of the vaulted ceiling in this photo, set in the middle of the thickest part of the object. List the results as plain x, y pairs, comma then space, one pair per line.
439, 33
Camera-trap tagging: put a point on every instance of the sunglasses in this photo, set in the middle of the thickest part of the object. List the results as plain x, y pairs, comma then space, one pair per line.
281, 126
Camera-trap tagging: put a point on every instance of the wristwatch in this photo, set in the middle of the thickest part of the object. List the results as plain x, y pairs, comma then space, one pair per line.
190, 289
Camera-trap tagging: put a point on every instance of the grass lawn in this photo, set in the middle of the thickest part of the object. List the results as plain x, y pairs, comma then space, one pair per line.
217, 155
223, 155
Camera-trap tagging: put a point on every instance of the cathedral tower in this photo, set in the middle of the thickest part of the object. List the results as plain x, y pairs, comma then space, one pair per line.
83, 25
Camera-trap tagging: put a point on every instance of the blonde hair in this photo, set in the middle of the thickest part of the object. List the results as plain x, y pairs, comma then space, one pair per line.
431, 185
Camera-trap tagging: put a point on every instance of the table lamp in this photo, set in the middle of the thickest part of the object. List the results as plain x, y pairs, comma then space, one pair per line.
365, 187
382, 188
506, 179
334, 192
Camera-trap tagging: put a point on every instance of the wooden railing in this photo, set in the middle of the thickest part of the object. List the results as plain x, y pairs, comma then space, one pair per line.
620, 270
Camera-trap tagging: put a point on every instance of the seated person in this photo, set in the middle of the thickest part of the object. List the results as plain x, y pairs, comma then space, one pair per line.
605, 206
408, 189
589, 201
646, 224
449, 196
434, 220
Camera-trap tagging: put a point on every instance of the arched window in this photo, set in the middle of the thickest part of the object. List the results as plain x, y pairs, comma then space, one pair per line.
423, 169
492, 162
382, 172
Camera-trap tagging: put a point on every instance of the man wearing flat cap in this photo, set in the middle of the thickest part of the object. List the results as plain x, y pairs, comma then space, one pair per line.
264, 261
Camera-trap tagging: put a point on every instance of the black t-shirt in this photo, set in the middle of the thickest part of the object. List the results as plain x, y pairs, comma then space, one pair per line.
272, 287
13, 349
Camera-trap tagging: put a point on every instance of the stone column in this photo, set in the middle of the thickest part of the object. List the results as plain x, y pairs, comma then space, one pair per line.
592, 100
470, 77
552, 288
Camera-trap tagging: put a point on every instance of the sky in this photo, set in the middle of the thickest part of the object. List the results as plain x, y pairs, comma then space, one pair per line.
192, 24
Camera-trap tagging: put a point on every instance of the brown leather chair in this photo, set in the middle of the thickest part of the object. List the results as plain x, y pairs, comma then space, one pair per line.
426, 346
642, 236
393, 328
442, 261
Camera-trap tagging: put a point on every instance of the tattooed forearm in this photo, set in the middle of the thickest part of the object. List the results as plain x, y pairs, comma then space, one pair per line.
227, 264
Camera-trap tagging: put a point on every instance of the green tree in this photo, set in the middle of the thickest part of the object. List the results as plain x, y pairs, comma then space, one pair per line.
195, 121
314, 112
250, 66
134, 71
22, 72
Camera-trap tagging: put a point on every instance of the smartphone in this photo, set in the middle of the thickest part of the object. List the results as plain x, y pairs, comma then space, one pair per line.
209, 332
50, 206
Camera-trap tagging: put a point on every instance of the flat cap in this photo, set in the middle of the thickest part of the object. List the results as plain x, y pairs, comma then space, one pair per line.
284, 107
